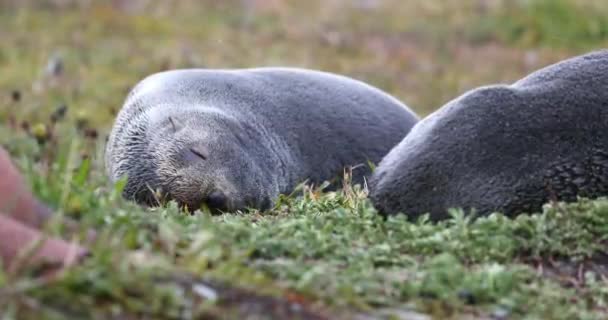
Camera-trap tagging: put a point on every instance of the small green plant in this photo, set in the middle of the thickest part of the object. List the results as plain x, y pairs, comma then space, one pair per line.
556, 23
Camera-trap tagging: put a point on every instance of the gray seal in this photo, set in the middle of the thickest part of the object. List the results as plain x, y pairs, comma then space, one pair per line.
238, 138
505, 148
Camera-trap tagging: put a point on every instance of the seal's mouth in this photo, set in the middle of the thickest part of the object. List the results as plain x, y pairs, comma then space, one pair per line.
193, 189
215, 202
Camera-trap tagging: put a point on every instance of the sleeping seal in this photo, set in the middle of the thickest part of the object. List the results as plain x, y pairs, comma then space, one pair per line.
233, 139
505, 148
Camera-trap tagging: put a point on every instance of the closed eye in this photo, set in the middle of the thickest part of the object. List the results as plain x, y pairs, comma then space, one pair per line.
198, 154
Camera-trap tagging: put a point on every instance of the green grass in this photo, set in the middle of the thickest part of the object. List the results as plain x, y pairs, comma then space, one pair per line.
328, 253
556, 23
329, 247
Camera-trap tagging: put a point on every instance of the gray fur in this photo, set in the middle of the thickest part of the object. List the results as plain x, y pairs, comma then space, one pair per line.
506, 148
262, 131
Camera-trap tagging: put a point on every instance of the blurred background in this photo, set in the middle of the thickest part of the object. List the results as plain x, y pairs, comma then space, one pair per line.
78, 59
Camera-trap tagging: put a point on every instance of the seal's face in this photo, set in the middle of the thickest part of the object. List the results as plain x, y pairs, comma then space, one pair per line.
202, 159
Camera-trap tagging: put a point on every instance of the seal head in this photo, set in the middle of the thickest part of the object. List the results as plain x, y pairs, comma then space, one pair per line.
196, 157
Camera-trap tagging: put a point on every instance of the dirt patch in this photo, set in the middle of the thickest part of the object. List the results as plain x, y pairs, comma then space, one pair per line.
572, 273
228, 301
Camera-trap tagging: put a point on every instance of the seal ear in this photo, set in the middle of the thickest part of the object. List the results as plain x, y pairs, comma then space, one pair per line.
176, 126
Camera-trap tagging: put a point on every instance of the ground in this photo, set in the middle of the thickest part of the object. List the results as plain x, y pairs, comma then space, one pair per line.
68, 65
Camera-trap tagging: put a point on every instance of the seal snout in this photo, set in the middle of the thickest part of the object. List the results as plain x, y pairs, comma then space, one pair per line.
217, 200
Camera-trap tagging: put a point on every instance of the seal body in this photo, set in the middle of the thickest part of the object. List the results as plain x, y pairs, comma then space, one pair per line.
238, 138
505, 148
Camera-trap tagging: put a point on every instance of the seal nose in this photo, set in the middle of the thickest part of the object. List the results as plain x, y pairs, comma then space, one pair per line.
217, 200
